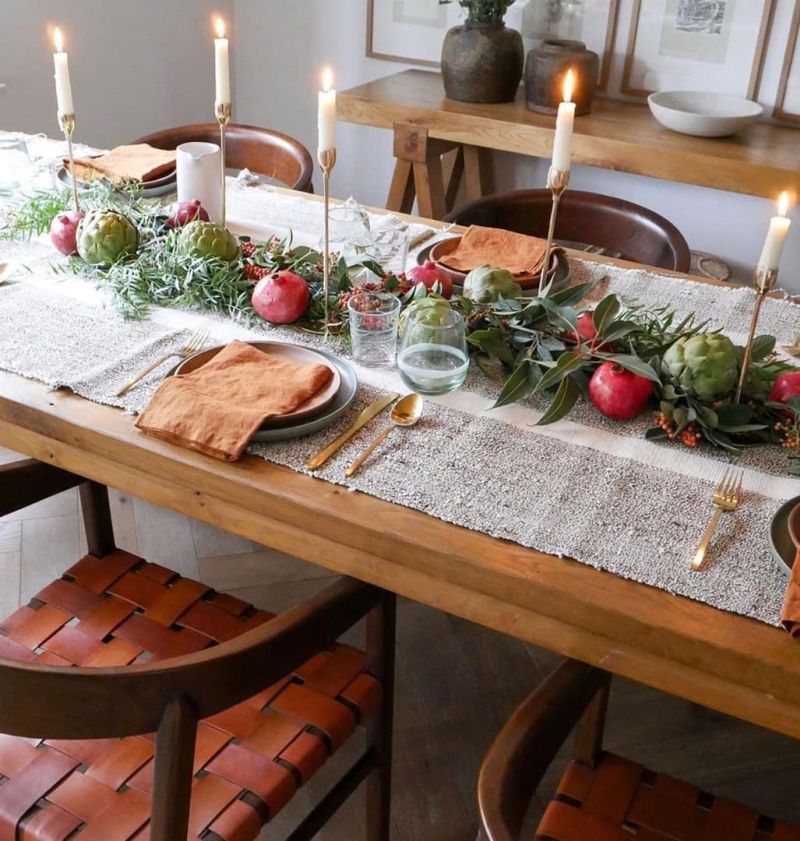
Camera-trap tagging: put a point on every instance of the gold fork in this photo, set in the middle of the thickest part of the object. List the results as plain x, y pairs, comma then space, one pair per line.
727, 497
196, 341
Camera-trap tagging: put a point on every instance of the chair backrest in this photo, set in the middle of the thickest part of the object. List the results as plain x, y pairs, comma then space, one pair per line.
260, 150
615, 225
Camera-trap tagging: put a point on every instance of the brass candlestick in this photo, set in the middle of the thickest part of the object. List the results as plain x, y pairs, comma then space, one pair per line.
327, 160
557, 182
764, 283
67, 124
223, 111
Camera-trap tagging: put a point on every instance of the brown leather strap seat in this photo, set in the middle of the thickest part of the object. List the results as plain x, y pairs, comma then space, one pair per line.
601, 797
249, 760
617, 800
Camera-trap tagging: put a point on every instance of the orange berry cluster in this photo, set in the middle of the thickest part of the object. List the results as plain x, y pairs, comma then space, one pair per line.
790, 434
690, 435
255, 273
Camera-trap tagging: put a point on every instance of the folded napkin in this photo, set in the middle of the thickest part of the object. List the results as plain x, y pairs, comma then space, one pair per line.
137, 163
217, 408
791, 606
516, 253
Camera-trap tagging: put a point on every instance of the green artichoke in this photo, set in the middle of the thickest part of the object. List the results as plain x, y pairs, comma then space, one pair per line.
206, 240
705, 366
486, 284
105, 236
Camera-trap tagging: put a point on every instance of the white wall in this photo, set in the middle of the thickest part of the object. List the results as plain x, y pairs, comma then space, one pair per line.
136, 65
139, 65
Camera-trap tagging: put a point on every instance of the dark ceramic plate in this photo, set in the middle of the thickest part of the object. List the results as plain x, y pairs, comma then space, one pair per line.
783, 550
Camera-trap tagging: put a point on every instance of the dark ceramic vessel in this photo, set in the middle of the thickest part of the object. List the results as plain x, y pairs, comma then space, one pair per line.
482, 62
546, 68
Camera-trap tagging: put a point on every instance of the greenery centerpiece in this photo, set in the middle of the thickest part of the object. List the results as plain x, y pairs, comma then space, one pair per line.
623, 358
482, 59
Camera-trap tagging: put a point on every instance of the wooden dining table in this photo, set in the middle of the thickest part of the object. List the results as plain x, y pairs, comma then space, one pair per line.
718, 659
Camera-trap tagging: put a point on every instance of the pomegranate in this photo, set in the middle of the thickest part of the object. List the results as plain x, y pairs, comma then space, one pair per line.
786, 386
586, 328
429, 274
183, 212
618, 393
63, 230
281, 298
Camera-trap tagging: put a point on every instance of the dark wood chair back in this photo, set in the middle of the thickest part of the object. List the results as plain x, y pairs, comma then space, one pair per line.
260, 150
617, 226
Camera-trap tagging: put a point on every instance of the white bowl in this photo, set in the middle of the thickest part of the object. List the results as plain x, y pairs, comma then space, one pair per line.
703, 114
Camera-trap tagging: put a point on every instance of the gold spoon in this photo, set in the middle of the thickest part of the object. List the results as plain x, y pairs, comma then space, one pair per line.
405, 413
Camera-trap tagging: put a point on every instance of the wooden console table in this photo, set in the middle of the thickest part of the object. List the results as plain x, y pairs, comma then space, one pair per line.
623, 136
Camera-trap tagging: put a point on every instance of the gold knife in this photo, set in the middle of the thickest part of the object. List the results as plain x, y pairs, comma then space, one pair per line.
363, 419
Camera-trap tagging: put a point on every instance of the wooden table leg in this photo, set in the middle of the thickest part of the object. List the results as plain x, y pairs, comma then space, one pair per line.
402, 192
477, 172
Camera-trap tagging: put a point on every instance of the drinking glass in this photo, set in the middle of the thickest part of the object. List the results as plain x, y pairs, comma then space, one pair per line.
433, 355
389, 247
16, 167
373, 328
348, 228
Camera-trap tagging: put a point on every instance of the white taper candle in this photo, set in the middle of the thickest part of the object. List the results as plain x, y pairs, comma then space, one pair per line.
565, 122
63, 86
776, 236
327, 112
222, 65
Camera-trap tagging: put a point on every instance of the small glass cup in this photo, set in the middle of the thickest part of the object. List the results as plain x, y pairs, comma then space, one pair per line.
16, 167
348, 229
433, 355
389, 247
374, 318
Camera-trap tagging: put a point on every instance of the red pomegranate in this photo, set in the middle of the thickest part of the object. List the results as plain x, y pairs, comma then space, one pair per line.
429, 274
281, 298
63, 231
183, 212
618, 393
786, 386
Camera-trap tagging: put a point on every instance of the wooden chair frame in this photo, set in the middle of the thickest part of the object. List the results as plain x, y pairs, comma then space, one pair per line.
574, 696
169, 697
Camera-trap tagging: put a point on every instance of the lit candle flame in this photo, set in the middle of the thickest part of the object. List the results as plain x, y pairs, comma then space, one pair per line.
58, 40
219, 25
783, 204
569, 85
327, 80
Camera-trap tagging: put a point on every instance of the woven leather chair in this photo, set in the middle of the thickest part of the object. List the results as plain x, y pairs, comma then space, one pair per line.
601, 797
615, 226
144, 705
260, 150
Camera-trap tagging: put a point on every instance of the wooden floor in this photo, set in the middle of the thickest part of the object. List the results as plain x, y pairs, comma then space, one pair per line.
457, 682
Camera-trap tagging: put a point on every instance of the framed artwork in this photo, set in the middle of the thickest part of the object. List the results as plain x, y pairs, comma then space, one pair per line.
412, 31
710, 45
787, 104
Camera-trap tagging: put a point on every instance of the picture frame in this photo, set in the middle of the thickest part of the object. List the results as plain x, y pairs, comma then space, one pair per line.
674, 43
787, 102
393, 24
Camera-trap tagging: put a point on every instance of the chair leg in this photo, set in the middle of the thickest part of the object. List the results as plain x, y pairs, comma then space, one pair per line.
172, 781
589, 730
381, 656
97, 519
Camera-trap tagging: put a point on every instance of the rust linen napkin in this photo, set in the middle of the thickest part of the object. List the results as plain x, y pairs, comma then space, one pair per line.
516, 253
217, 408
136, 163
791, 606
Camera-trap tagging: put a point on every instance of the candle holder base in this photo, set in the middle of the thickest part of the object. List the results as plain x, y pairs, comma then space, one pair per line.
763, 283
327, 161
223, 114
67, 124
557, 183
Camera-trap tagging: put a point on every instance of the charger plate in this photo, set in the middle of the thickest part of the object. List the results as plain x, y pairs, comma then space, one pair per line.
321, 411
780, 543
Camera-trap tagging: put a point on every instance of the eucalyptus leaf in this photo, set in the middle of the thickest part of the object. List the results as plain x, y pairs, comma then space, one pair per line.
633, 364
763, 346
565, 398
605, 312
517, 386
566, 364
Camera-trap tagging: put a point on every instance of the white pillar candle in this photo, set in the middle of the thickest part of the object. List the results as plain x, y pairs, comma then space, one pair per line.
776, 236
63, 86
327, 112
565, 122
222, 65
